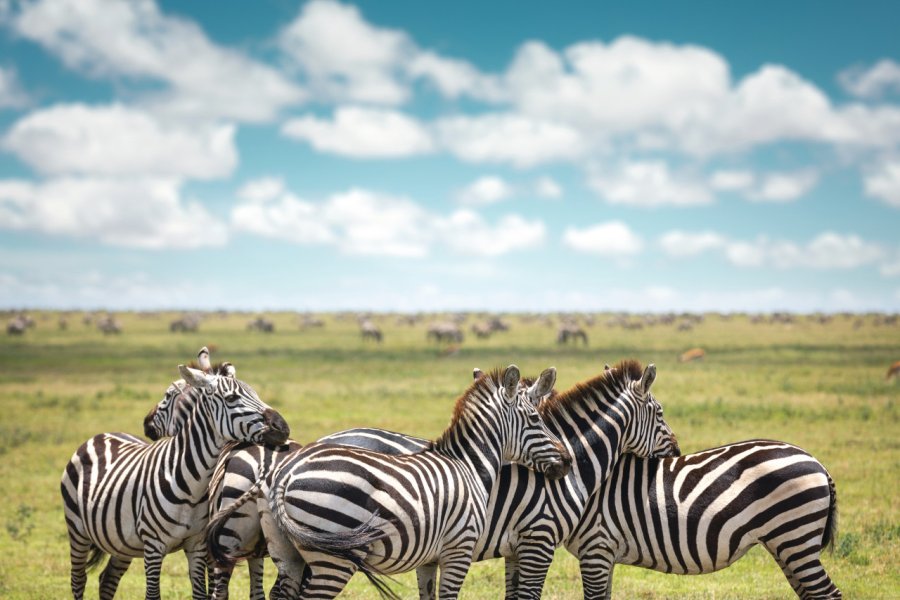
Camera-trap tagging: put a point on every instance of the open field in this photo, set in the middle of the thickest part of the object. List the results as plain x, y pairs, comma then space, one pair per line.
820, 386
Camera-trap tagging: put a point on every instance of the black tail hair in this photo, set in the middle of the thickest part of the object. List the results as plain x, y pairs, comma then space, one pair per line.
95, 558
217, 552
831, 522
347, 545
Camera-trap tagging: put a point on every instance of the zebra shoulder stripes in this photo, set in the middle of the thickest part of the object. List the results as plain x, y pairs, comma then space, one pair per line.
597, 420
127, 498
348, 509
701, 512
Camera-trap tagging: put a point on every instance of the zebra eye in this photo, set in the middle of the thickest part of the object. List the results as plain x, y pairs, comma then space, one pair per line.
232, 398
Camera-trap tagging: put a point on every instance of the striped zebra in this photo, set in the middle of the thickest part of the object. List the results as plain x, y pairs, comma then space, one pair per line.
346, 509
129, 499
701, 512
530, 515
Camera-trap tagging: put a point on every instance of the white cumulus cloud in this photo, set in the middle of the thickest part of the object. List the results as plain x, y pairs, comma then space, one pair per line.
116, 140
508, 138
683, 243
648, 184
362, 133
11, 93
128, 212
882, 77
613, 238
784, 187
117, 39
485, 190
467, 232
882, 181
363, 222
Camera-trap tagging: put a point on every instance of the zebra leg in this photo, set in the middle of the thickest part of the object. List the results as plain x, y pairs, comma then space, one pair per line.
328, 576
256, 567
195, 549
805, 573
534, 562
511, 569
596, 564
426, 576
154, 551
454, 567
79, 549
109, 578
219, 580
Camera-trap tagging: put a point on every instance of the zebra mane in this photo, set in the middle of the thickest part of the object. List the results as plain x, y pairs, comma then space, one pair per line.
488, 382
613, 379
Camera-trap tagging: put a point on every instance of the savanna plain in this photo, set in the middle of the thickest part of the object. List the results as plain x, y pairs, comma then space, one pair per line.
821, 386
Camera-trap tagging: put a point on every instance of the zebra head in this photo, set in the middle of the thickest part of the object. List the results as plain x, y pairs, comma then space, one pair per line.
647, 433
169, 415
237, 412
527, 440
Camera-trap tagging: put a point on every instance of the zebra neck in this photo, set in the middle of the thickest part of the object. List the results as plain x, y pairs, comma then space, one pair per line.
593, 433
476, 447
195, 452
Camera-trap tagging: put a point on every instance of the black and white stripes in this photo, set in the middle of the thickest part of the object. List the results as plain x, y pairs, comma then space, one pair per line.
127, 498
701, 512
348, 509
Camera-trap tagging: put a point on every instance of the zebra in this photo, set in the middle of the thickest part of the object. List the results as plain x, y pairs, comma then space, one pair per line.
530, 515
701, 512
239, 467
346, 509
127, 498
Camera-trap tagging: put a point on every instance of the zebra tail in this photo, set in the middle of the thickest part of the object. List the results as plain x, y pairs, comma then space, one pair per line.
349, 545
95, 558
218, 552
831, 522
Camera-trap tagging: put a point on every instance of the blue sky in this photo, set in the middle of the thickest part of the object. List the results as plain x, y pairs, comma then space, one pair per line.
422, 156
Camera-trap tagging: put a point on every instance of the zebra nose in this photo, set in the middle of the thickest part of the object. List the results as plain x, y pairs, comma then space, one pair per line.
150, 429
277, 429
561, 468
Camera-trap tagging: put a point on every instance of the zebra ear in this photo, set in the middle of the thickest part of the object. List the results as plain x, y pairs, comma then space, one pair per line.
543, 386
203, 359
227, 369
510, 382
195, 378
476, 373
647, 379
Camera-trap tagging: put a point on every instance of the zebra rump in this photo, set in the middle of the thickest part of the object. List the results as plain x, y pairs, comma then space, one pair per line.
350, 545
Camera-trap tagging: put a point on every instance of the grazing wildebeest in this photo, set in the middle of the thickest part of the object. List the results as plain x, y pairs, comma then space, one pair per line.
109, 325
185, 324
445, 331
370, 331
261, 324
571, 333
16, 326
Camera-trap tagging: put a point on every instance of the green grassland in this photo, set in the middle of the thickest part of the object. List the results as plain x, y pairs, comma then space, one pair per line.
819, 386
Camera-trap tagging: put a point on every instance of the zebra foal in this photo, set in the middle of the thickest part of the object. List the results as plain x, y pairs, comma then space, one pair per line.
701, 512
346, 509
129, 499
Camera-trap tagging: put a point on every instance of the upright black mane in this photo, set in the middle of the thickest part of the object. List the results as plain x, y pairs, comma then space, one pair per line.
614, 379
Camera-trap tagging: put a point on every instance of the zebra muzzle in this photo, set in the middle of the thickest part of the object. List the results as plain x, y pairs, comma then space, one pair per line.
277, 429
559, 469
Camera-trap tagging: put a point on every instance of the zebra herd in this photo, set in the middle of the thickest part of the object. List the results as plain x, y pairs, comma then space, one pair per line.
521, 470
